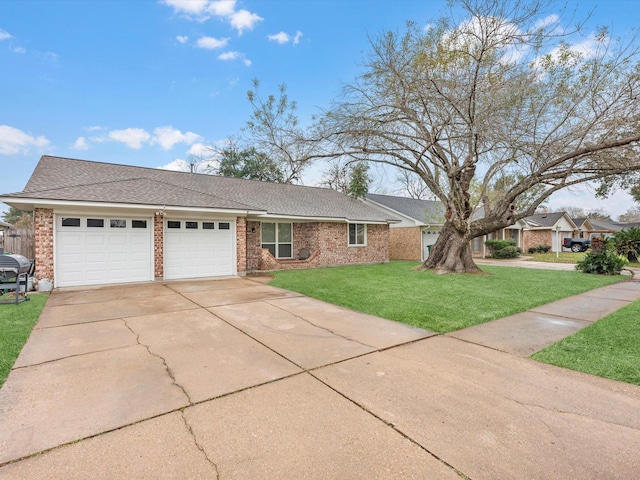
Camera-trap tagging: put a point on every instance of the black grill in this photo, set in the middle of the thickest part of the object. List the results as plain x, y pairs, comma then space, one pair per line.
14, 275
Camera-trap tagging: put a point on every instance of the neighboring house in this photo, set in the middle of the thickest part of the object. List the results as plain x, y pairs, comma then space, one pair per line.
548, 229
606, 227
100, 223
584, 228
419, 226
3, 226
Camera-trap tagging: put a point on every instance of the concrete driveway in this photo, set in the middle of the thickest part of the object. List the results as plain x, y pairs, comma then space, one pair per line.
235, 379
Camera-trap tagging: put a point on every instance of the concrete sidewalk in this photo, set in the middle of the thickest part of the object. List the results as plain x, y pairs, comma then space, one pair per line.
235, 379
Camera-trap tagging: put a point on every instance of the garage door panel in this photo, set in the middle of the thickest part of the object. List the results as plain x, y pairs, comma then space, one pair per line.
102, 255
201, 252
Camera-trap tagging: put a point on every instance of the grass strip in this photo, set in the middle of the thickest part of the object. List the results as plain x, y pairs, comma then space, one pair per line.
16, 323
608, 348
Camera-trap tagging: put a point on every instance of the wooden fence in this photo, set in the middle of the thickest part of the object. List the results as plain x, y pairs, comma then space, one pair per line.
20, 241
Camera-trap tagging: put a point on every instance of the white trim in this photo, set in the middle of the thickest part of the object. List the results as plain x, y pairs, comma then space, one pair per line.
296, 218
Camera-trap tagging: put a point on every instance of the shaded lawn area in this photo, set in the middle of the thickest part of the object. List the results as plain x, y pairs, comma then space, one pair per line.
16, 323
608, 348
440, 303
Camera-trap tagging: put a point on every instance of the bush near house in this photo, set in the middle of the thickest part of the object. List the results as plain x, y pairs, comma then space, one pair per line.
627, 243
540, 249
601, 260
502, 249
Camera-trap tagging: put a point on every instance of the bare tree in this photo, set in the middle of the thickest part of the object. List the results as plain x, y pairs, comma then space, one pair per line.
497, 93
630, 216
413, 185
274, 130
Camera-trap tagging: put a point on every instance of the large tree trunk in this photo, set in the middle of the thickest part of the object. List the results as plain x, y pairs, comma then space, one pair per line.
451, 253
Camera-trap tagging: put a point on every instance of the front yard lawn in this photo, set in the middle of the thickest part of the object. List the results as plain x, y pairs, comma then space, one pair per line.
608, 348
552, 257
16, 322
440, 303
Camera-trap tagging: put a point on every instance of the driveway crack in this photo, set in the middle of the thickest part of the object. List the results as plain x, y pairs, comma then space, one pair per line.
320, 327
161, 358
198, 446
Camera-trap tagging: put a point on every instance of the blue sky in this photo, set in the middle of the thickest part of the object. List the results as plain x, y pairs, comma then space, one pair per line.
147, 82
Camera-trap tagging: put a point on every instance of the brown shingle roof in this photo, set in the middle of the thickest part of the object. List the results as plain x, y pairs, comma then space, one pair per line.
57, 178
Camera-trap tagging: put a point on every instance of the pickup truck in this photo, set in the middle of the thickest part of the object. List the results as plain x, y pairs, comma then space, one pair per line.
576, 244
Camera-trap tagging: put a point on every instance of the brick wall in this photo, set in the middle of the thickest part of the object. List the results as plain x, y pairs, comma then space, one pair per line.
158, 246
532, 238
241, 245
43, 232
405, 243
327, 243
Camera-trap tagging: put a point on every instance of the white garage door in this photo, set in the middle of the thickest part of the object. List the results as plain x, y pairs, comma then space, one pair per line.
99, 250
196, 248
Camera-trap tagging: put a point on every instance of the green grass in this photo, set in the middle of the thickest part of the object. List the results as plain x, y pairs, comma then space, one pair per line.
561, 257
440, 303
16, 323
608, 348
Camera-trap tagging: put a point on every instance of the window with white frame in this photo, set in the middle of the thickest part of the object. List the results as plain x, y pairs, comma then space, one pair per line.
278, 238
357, 234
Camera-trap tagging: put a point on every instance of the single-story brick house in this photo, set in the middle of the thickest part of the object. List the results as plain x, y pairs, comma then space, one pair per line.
419, 226
99, 223
549, 229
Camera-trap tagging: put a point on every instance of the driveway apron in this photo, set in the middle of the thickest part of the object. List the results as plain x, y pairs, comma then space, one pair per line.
235, 379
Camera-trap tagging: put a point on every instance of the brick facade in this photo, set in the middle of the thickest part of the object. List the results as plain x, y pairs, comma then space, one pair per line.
43, 233
532, 238
326, 242
241, 245
405, 243
158, 246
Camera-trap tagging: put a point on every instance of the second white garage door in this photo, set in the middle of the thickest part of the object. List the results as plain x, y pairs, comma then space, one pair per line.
197, 248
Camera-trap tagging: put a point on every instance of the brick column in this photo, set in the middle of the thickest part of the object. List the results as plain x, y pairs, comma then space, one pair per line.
241, 245
158, 246
43, 231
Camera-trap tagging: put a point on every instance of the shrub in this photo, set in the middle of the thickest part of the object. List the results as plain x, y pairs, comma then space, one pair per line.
540, 249
627, 243
601, 263
495, 245
510, 251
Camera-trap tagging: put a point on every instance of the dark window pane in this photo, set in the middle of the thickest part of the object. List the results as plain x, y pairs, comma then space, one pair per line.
284, 232
173, 224
284, 250
208, 225
118, 223
70, 222
224, 226
191, 225
138, 223
95, 222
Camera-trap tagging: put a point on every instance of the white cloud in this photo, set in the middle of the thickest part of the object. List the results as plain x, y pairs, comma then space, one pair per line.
4, 35
132, 137
19, 50
547, 21
188, 7
232, 55
178, 165
81, 144
167, 137
182, 38
296, 39
222, 8
280, 38
199, 150
14, 141
94, 128
244, 20
211, 43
